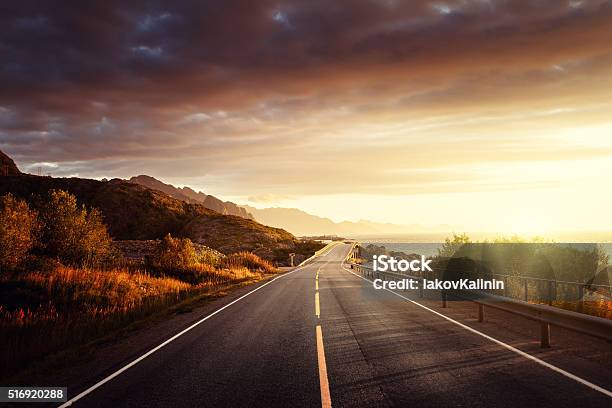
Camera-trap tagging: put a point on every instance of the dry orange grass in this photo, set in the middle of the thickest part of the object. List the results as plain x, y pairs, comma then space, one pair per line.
249, 261
98, 290
69, 306
599, 308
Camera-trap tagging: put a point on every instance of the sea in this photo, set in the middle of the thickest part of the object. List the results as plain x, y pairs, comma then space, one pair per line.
428, 243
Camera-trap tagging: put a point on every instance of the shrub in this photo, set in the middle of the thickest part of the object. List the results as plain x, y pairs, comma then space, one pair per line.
18, 228
208, 256
451, 246
174, 254
71, 233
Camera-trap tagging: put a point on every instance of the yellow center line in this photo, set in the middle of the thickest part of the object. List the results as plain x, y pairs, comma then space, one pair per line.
323, 380
317, 279
317, 308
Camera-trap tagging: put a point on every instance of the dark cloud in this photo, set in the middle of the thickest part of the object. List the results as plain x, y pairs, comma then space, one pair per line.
88, 84
112, 49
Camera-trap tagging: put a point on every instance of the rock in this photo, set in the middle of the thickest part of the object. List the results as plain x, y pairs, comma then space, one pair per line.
8, 166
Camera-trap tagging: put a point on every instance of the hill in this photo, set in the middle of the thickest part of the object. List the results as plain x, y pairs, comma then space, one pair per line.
136, 212
190, 196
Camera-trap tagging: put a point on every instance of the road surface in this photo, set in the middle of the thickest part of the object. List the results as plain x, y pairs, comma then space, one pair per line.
321, 336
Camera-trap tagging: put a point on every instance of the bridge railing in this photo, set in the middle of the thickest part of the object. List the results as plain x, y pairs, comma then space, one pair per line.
319, 252
546, 315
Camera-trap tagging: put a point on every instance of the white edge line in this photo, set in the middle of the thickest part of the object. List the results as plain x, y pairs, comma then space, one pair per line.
171, 339
501, 343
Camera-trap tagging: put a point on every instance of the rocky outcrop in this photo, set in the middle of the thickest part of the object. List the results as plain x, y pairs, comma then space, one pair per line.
8, 166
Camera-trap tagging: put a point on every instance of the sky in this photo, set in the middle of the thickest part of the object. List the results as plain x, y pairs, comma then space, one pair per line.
488, 115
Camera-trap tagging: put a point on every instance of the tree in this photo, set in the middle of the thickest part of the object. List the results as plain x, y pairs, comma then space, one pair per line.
71, 233
18, 228
451, 246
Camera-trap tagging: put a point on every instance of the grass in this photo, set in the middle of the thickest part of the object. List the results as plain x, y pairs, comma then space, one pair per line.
42, 313
242, 260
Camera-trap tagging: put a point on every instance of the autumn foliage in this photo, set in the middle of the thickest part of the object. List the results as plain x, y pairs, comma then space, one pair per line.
18, 229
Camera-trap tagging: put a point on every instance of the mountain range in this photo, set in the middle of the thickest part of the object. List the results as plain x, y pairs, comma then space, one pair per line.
302, 223
296, 221
133, 211
194, 197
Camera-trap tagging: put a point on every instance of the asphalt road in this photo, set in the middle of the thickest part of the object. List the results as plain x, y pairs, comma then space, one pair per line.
375, 349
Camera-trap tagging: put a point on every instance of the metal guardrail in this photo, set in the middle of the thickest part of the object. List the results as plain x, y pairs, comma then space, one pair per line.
547, 291
547, 315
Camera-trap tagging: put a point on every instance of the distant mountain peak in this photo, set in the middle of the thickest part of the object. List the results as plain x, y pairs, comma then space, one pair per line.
189, 195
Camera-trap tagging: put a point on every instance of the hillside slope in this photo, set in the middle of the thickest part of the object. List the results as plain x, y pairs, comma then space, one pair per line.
132, 211
195, 197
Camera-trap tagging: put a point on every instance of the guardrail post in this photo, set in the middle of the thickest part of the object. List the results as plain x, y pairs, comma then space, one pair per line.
580, 298
505, 286
443, 298
545, 337
550, 292
480, 312
526, 289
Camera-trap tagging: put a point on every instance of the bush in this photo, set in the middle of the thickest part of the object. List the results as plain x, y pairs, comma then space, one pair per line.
179, 258
71, 233
18, 228
174, 254
451, 246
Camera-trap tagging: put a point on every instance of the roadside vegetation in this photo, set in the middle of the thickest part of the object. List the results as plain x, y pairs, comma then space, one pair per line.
63, 283
569, 276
